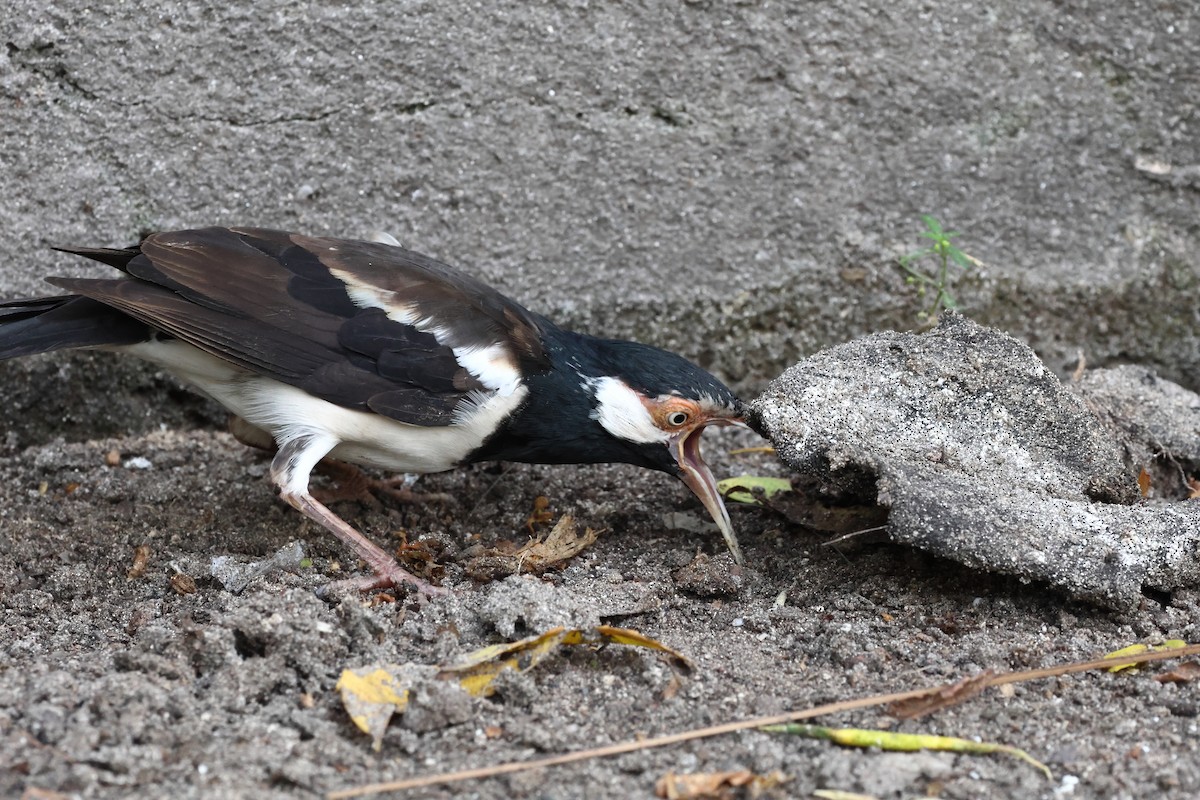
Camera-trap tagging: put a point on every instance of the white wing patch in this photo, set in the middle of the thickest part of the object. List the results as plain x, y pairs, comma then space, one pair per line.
492, 365
622, 413
383, 237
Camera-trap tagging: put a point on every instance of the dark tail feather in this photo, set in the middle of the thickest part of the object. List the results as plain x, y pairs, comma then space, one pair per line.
55, 323
118, 257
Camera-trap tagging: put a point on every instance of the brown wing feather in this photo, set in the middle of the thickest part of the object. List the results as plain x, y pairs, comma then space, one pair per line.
279, 304
468, 311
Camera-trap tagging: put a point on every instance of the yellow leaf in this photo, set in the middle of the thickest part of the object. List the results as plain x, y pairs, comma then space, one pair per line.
1134, 649
905, 742
373, 694
742, 488
479, 669
371, 697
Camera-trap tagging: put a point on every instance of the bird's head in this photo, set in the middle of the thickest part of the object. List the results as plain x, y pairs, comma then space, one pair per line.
611, 401
656, 405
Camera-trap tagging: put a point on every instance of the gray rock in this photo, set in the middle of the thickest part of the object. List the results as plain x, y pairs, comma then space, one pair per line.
982, 455
1156, 422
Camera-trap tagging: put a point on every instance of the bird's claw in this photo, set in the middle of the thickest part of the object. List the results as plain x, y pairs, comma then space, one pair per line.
390, 578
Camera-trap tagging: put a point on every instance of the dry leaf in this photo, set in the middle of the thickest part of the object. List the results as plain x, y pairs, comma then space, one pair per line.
562, 543
420, 557
1144, 482
752, 489
1193, 485
1186, 672
371, 695
541, 513
1134, 649
183, 583
903, 742
479, 670
800, 500
714, 785
141, 560
765, 449
941, 697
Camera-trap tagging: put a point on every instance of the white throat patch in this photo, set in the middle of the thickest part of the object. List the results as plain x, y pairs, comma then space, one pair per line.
621, 411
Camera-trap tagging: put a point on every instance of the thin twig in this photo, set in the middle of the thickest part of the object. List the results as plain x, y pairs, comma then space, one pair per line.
851, 535
733, 727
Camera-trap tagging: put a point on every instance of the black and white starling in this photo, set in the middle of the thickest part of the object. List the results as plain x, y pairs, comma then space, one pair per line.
370, 353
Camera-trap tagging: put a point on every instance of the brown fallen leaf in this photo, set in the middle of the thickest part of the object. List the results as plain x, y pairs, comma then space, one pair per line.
541, 513
420, 557
941, 697
1144, 482
183, 583
838, 794
563, 542
714, 785
1193, 485
141, 560
37, 793
1186, 672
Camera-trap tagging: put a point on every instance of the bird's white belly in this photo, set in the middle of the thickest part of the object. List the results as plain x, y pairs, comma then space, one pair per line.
363, 437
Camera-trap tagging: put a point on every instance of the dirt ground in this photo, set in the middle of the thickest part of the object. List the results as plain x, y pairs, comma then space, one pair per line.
120, 687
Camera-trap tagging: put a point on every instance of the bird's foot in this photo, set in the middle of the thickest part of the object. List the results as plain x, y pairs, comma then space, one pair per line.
391, 576
290, 461
351, 483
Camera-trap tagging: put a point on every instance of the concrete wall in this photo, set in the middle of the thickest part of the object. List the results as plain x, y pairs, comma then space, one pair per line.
730, 179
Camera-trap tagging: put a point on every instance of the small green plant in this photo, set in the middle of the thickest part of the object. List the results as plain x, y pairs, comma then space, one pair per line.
942, 252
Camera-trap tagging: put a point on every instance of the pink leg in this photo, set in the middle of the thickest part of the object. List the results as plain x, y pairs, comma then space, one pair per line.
290, 470
387, 571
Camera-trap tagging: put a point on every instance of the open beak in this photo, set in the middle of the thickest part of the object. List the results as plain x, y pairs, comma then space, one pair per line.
685, 447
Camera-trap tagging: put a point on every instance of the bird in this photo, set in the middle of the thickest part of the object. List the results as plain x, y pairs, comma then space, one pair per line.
367, 352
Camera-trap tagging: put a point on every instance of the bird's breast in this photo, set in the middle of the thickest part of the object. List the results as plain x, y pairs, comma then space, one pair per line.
366, 438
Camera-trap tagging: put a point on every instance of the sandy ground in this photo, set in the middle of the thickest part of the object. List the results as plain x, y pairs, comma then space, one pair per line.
118, 687
732, 181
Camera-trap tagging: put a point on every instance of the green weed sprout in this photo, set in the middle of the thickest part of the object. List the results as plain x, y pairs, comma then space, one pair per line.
942, 252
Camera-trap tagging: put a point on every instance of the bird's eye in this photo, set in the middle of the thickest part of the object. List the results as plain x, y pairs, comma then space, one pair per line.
677, 419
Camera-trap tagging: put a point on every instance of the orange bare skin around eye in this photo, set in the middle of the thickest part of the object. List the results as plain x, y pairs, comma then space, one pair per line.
663, 409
